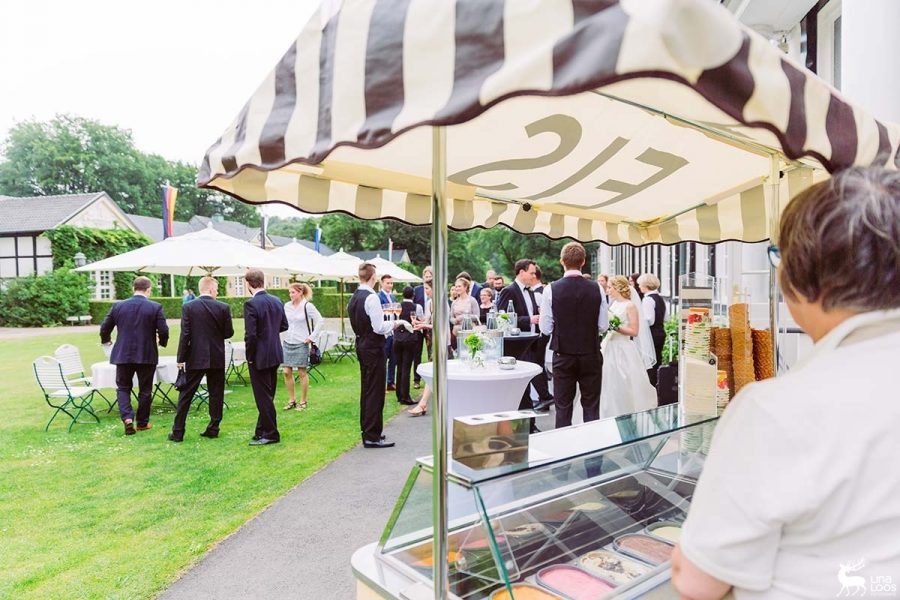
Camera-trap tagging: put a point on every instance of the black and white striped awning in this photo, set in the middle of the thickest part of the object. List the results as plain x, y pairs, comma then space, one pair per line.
635, 122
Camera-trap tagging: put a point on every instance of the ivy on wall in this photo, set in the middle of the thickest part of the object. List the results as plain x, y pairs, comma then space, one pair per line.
96, 244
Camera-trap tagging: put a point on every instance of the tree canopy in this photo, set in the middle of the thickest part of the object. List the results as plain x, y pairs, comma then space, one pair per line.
75, 155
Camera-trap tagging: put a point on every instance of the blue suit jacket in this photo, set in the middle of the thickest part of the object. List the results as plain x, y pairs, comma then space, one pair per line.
419, 295
386, 298
264, 320
139, 321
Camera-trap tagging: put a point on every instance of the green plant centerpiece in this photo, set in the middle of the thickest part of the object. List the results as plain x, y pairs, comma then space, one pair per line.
474, 342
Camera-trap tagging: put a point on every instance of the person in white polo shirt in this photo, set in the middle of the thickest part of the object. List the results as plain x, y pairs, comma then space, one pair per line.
800, 494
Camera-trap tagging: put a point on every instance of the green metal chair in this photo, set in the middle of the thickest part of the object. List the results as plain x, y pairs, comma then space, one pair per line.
73, 369
60, 394
235, 367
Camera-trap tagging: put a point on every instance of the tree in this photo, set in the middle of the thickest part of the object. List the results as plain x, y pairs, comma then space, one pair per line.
74, 155
350, 233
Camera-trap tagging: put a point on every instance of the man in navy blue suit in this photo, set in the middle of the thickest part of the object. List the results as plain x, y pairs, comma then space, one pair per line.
264, 320
386, 296
140, 326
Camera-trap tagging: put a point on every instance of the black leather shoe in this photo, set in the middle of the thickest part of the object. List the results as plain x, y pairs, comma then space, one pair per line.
263, 442
129, 428
255, 437
382, 443
409, 402
213, 434
534, 429
175, 438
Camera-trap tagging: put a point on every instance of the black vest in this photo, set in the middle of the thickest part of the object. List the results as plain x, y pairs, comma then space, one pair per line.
407, 310
658, 329
576, 310
360, 322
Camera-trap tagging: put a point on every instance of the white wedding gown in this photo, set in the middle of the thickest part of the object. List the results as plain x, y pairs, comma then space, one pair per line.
626, 388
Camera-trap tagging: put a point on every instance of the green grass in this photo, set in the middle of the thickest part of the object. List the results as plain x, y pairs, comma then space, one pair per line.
93, 514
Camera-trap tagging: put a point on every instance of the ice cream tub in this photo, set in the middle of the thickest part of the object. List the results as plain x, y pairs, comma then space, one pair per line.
573, 583
667, 531
644, 547
611, 566
524, 591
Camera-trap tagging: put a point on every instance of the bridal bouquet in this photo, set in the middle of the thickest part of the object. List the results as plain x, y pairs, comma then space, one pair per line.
614, 322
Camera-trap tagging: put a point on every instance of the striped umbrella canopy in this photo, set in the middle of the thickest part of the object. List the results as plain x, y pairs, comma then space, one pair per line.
623, 122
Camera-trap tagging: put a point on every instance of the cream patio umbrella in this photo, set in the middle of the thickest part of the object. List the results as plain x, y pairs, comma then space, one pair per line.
200, 252
632, 122
386, 267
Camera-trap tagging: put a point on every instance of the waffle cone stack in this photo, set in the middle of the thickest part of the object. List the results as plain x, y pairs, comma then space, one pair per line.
762, 354
720, 345
741, 346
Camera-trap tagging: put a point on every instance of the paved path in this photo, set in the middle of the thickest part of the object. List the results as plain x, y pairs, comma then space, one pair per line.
300, 546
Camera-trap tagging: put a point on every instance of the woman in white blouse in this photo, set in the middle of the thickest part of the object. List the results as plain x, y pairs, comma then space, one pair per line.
305, 323
800, 494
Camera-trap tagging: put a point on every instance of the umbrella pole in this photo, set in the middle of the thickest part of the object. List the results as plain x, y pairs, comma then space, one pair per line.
774, 224
441, 340
341, 285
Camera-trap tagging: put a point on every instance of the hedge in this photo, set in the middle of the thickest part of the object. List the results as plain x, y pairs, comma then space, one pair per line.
328, 304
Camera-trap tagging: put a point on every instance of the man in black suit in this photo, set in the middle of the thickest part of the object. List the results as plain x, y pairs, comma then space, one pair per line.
264, 320
574, 312
141, 325
425, 335
367, 321
527, 318
205, 325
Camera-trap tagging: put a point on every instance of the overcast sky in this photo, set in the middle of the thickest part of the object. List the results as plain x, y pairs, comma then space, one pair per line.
173, 72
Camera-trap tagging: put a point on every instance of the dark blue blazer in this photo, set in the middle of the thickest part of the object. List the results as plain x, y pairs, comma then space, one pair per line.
419, 295
264, 320
138, 322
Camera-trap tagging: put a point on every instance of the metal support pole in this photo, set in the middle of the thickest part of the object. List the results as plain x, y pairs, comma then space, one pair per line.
440, 313
774, 223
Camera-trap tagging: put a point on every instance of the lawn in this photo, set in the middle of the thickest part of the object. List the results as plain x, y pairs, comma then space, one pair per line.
93, 514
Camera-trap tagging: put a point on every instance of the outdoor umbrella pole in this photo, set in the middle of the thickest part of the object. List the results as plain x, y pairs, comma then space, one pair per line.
441, 338
774, 223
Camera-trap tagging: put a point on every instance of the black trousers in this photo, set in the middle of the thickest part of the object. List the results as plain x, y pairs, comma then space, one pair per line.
215, 385
125, 381
263, 382
536, 354
417, 358
584, 370
391, 358
658, 341
406, 354
372, 371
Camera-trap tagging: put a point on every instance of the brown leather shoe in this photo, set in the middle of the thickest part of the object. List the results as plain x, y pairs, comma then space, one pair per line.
129, 428
144, 427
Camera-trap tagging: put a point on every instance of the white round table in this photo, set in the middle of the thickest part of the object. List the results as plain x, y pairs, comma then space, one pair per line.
103, 374
474, 391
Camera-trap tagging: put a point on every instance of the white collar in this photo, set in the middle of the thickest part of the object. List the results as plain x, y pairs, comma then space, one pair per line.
521, 285
572, 273
363, 286
834, 338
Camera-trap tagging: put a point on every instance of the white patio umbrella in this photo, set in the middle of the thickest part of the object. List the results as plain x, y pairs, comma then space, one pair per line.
197, 253
650, 121
302, 261
386, 267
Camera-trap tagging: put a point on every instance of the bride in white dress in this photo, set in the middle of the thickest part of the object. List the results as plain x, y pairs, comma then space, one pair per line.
626, 388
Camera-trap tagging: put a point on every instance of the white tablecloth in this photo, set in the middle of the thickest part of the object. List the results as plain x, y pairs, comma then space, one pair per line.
481, 390
240, 352
103, 374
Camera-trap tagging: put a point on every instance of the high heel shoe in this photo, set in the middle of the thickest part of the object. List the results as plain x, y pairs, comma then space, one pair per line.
291, 405
417, 411
302, 406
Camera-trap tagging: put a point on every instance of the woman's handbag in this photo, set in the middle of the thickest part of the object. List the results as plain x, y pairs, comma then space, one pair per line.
181, 381
315, 355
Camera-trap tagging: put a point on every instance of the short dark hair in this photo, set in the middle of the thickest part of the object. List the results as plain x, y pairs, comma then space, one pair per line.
366, 270
255, 278
537, 270
141, 284
386, 276
464, 275
407, 293
840, 241
522, 265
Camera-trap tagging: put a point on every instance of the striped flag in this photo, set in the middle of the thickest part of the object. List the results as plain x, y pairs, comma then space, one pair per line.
169, 195
390, 250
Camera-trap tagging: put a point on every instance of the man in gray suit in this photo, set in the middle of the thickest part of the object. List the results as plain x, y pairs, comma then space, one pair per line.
140, 325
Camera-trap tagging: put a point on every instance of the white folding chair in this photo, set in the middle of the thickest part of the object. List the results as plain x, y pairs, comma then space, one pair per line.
73, 369
60, 394
235, 365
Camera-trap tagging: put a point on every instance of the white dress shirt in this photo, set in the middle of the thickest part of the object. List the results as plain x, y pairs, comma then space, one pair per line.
547, 307
649, 308
802, 475
298, 328
532, 310
376, 315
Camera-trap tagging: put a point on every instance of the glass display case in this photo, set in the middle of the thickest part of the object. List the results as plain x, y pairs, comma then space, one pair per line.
593, 513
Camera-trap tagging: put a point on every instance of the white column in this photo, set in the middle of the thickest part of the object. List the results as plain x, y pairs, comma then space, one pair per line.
870, 45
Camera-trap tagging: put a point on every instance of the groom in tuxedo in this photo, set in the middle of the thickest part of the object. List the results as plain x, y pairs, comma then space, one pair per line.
575, 313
